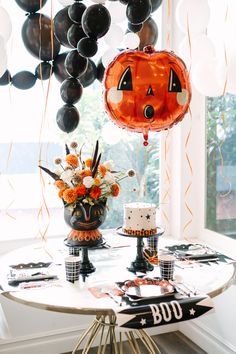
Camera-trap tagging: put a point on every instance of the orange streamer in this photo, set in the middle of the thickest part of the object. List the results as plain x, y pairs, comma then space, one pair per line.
189, 186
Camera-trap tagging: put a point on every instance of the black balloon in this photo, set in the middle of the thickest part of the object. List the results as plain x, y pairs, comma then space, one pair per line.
100, 70
43, 71
62, 23
155, 4
67, 118
24, 80
96, 21
71, 90
31, 5
138, 11
87, 47
59, 69
148, 34
36, 35
75, 64
5, 79
76, 11
90, 74
75, 34
134, 28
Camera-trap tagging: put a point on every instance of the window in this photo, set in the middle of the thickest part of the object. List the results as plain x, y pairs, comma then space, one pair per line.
28, 207
221, 165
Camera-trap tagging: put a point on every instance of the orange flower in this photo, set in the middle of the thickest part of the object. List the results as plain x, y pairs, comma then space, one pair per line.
102, 170
60, 184
60, 193
97, 181
72, 160
81, 190
70, 195
115, 190
95, 192
88, 162
85, 173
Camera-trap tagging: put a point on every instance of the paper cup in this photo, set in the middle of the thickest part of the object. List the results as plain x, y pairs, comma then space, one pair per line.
72, 267
167, 266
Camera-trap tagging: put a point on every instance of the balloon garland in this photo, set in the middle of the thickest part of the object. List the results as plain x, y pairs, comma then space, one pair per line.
78, 28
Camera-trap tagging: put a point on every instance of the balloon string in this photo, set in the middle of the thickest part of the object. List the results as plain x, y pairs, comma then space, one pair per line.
224, 177
225, 55
222, 117
190, 45
168, 33
40, 27
145, 177
51, 29
10, 184
167, 179
188, 188
10, 150
189, 38
44, 206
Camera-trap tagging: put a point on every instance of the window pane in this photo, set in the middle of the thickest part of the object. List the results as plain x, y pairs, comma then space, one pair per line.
221, 165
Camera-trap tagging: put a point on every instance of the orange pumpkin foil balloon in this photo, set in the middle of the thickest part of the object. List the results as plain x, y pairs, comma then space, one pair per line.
146, 90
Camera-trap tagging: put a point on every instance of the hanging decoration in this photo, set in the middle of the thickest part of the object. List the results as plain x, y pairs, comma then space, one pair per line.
146, 91
78, 28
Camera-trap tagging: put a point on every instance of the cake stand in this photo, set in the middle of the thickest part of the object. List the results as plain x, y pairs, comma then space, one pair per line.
140, 264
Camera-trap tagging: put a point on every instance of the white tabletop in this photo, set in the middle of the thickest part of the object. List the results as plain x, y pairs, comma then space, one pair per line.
111, 263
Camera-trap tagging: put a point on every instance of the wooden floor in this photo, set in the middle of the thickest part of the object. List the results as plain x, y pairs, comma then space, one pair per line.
168, 343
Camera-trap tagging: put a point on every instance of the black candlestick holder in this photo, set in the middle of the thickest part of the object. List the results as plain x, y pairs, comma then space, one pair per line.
86, 267
140, 264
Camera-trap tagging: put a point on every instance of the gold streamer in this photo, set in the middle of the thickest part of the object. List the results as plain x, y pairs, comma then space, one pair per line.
222, 117
44, 208
224, 177
167, 179
188, 188
168, 33
225, 55
9, 183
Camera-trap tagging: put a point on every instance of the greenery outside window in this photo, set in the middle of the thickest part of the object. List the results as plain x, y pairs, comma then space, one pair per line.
221, 165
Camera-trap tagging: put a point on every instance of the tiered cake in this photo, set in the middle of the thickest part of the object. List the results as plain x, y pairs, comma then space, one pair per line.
140, 219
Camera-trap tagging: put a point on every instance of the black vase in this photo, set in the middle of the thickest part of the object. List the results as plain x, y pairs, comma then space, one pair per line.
85, 220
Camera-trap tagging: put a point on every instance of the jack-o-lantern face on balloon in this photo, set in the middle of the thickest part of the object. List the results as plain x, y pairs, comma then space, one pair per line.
147, 90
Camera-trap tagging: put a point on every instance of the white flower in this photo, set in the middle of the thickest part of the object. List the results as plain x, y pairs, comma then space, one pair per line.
88, 181
67, 176
109, 165
109, 177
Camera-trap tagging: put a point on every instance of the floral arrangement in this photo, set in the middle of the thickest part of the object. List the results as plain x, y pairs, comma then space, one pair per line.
86, 180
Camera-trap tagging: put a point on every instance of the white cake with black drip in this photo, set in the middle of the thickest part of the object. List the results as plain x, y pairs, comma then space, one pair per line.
140, 219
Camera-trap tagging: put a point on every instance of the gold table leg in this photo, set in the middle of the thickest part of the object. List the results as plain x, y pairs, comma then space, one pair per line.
98, 327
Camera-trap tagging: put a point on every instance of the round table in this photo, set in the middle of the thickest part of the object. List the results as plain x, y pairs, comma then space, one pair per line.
111, 263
